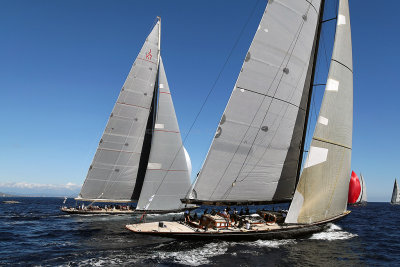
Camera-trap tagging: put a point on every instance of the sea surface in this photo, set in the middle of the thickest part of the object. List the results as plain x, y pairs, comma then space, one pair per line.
36, 233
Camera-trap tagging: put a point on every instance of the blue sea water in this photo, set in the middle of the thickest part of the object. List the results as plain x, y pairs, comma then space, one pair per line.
36, 233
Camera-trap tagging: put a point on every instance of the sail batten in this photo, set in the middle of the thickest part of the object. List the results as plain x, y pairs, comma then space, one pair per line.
323, 186
255, 152
121, 143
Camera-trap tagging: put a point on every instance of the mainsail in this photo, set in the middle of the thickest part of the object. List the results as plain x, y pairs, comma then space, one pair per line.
168, 171
113, 172
395, 194
254, 155
322, 190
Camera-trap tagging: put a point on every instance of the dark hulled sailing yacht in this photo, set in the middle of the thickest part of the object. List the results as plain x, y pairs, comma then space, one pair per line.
133, 161
255, 156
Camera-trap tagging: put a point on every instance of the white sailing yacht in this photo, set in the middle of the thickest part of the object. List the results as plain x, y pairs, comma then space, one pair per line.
396, 194
255, 156
133, 161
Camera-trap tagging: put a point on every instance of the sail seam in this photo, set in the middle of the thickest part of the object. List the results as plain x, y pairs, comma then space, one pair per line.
91, 179
159, 130
272, 97
331, 142
131, 105
167, 170
116, 150
342, 65
147, 60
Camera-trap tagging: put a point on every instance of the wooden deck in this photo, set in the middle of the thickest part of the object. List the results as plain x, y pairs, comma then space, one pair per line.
184, 230
181, 227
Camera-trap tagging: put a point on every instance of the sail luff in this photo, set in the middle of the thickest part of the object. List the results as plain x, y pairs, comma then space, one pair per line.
167, 177
323, 187
250, 149
112, 174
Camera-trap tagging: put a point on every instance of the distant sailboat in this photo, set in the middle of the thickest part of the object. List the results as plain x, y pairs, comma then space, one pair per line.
255, 156
396, 194
362, 199
133, 160
357, 190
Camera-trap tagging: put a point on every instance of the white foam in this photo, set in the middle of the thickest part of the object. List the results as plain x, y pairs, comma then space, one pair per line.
334, 232
195, 257
272, 243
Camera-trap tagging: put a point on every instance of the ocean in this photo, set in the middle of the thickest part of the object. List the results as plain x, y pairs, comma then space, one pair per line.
36, 233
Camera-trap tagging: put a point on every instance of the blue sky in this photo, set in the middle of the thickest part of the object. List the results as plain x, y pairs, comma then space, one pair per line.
64, 62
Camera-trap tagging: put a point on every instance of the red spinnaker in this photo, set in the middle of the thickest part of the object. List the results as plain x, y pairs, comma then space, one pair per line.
354, 188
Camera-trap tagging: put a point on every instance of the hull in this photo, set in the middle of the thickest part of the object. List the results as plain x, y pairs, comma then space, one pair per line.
101, 211
362, 203
181, 230
116, 212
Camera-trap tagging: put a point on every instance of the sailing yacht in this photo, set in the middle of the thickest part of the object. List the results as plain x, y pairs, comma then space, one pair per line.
396, 194
133, 161
256, 154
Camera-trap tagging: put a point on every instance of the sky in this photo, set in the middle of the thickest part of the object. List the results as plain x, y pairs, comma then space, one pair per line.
63, 63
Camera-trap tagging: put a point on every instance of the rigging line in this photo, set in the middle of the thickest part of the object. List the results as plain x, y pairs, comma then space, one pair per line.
210, 91
294, 42
329, 19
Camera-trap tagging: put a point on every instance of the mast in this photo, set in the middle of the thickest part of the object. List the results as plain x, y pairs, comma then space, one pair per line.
314, 65
147, 141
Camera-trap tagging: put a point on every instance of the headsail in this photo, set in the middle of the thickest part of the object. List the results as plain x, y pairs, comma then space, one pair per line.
395, 194
112, 174
254, 156
363, 195
364, 190
324, 183
167, 177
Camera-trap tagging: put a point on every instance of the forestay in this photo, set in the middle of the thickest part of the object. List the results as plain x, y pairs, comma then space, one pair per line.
112, 174
168, 171
264, 119
324, 183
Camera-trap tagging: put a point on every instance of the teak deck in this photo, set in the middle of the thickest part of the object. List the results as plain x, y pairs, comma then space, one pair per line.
257, 231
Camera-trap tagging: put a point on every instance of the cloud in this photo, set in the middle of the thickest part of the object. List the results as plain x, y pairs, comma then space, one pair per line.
24, 185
